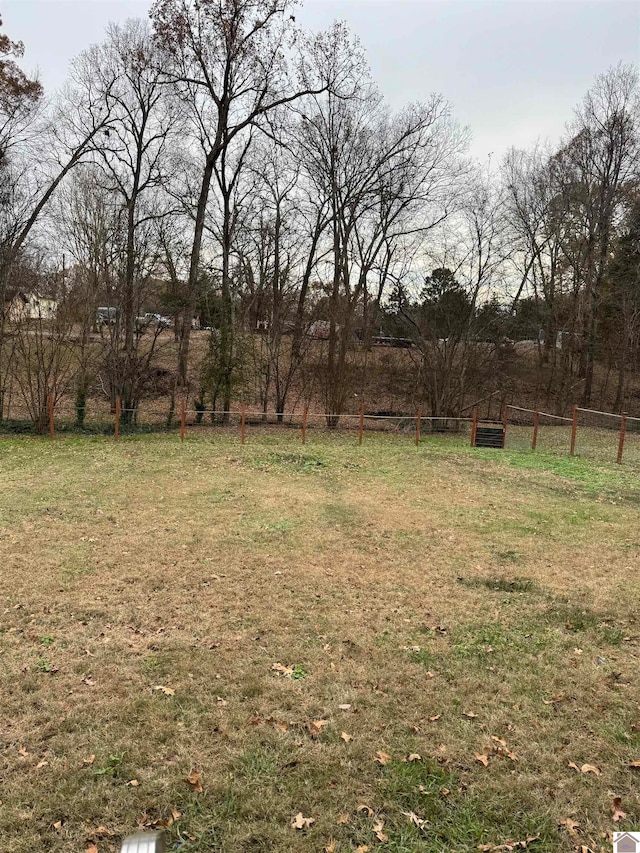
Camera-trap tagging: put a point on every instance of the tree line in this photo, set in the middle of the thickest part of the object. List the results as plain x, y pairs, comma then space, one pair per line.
217, 164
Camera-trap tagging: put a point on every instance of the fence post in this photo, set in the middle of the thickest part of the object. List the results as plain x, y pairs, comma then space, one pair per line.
243, 415
474, 425
418, 419
51, 425
623, 432
536, 424
361, 423
183, 417
117, 420
505, 424
574, 430
304, 423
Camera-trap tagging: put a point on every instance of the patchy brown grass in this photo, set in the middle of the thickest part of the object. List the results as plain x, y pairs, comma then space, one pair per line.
449, 597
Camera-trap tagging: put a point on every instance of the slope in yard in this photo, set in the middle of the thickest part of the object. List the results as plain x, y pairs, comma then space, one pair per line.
412, 649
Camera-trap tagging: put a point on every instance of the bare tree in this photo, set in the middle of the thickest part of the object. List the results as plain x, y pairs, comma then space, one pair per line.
227, 62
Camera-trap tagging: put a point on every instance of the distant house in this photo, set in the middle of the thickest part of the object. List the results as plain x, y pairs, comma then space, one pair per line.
22, 305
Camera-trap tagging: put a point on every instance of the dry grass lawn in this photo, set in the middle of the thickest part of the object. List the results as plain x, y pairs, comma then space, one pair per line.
216, 639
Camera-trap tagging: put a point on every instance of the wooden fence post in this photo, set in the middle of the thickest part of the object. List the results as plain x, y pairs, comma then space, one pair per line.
304, 423
183, 417
505, 424
243, 415
474, 425
536, 424
117, 419
623, 432
574, 430
418, 419
361, 424
51, 424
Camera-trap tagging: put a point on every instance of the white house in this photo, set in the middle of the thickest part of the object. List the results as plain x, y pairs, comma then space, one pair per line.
31, 306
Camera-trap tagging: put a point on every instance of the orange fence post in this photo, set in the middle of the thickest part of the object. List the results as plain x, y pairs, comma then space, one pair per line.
418, 419
183, 417
505, 424
116, 431
536, 424
51, 425
361, 425
623, 432
304, 424
243, 415
474, 426
574, 430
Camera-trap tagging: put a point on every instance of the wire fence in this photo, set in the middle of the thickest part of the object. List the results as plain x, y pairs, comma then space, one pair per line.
588, 433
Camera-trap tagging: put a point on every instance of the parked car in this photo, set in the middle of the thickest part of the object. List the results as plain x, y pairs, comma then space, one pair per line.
158, 320
106, 316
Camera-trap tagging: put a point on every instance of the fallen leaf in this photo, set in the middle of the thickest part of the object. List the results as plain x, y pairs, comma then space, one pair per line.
413, 757
382, 757
58, 825
345, 707
168, 691
222, 702
331, 846
590, 768
363, 848
481, 759
415, 819
635, 765
345, 737
316, 726
175, 814
557, 698
499, 740
434, 718
469, 714
89, 761
287, 671
22, 752
100, 832
363, 808
616, 810
133, 783
193, 779
300, 822
570, 826
282, 727
91, 848
378, 826
42, 763
343, 817
574, 766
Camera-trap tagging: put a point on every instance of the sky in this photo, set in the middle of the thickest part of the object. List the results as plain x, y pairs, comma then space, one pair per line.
513, 70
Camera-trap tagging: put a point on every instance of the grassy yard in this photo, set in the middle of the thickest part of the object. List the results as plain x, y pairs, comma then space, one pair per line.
395, 648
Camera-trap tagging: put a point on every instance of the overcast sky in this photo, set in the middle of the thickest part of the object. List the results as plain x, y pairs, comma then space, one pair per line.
513, 69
